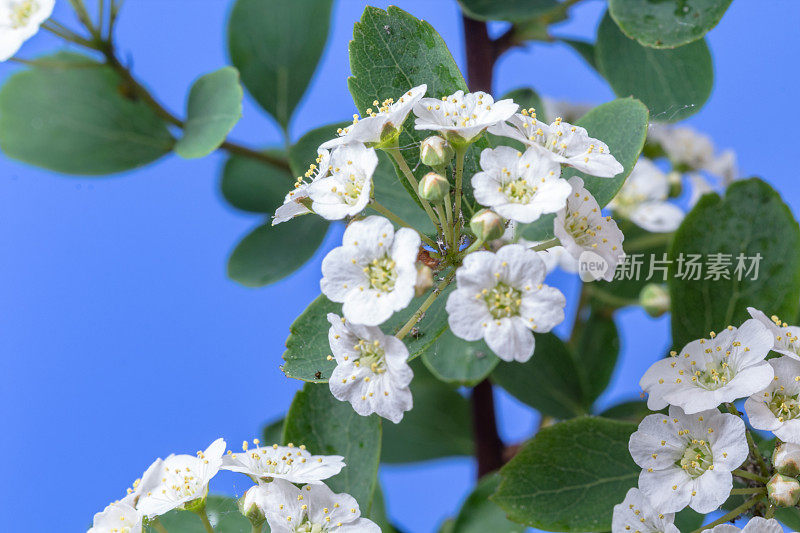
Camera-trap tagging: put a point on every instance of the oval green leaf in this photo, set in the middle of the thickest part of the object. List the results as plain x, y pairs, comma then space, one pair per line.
276, 46
327, 426
213, 109
569, 476
74, 115
549, 382
270, 253
673, 84
479, 514
667, 23
510, 10
750, 220
457, 361
255, 186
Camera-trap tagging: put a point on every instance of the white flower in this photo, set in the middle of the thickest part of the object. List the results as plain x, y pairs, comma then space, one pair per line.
786, 458
518, 186
755, 525
462, 117
786, 337
569, 111
313, 509
19, 21
724, 166
346, 191
688, 459
581, 227
292, 463
684, 145
184, 479
643, 199
565, 143
293, 204
776, 408
119, 517
255, 501
372, 371
501, 298
149, 480
373, 272
709, 372
636, 514
700, 187
558, 257
377, 125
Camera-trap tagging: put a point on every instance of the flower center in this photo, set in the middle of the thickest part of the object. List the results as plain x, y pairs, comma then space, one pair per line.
309, 527
716, 375
184, 484
518, 191
503, 301
784, 407
581, 230
372, 356
22, 12
697, 458
381, 274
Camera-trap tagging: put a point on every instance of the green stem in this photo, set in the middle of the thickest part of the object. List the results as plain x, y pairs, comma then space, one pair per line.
394, 151
647, 241
101, 15
158, 526
66, 34
256, 529
733, 514
749, 475
461, 151
396, 219
204, 518
443, 221
425, 305
474, 246
545, 245
448, 211
83, 16
753, 490
770, 512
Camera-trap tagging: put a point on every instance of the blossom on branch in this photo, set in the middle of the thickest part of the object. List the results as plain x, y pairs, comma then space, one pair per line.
373, 272
710, 372
119, 517
346, 191
636, 514
688, 459
372, 371
295, 202
461, 117
776, 408
292, 463
501, 298
786, 337
520, 187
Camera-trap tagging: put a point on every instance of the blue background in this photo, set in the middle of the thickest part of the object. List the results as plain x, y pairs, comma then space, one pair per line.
121, 338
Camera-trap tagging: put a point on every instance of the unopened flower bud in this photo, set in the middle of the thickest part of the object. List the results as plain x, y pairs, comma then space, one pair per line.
487, 225
434, 187
435, 152
424, 279
787, 459
654, 299
250, 506
783, 491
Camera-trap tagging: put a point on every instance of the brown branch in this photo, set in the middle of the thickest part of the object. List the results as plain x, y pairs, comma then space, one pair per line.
480, 54
488, 446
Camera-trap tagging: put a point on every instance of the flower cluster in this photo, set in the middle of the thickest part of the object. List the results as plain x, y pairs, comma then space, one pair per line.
180, 482
690, 455
500, 295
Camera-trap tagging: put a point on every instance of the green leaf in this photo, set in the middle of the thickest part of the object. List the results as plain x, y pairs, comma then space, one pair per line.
631, 411
584, 49
689, 520
307, 347
455, 360
213, 109
276, 46
510, 10
673, 84
74, 115
549, 382
667, 24
273, 433
788, 516
329, 427
597, 353
377, 511
393, 195
751, 219
255, 186
390, 53
569, 476
304, 152
270, 253
223, 513
622, 125
479, 514
439, 425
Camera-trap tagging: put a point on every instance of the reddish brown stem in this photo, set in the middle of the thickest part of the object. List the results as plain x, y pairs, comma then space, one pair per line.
488, 446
